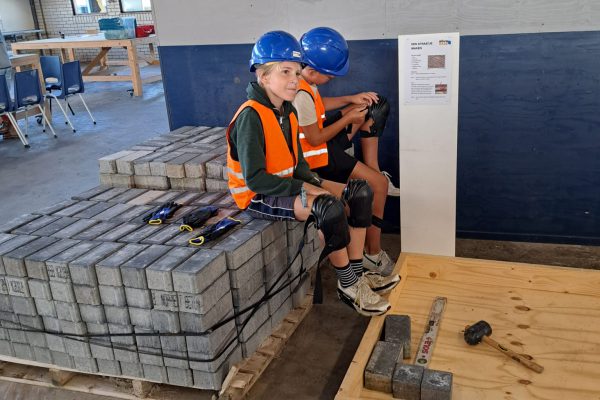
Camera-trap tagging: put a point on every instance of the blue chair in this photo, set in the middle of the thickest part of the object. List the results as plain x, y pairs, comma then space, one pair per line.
28, 95
7, 107
53, 79
72, 84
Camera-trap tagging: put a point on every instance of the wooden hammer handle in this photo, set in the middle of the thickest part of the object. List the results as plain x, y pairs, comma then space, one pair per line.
515, 356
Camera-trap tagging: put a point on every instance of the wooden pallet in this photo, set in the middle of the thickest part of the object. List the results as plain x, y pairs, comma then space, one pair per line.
45, 375
238, 382
242, 376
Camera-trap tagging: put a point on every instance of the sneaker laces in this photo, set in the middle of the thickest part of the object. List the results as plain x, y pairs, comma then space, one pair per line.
375, 278
364, 294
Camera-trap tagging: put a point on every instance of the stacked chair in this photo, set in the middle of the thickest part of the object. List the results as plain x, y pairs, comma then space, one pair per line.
7, 107
63, 81
28, 96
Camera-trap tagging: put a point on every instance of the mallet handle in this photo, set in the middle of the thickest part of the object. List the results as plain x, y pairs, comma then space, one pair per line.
515, 356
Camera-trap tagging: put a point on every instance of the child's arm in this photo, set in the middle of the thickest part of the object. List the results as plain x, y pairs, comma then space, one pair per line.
310, 127
316, 136
366, 98
303, 171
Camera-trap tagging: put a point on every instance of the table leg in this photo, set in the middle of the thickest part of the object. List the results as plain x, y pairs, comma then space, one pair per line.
71, 53
151, 60
135, 69
98, 59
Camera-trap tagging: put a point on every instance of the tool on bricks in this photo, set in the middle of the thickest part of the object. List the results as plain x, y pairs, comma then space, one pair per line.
425, 349
481, 331
162, 213
213, 231
197, 218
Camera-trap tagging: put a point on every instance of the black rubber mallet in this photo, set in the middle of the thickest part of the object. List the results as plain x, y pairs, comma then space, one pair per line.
481, 331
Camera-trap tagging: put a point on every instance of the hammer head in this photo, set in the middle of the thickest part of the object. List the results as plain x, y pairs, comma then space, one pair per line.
475, 333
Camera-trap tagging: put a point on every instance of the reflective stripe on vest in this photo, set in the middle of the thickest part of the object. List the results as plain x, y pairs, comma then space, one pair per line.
315, 156
278, 158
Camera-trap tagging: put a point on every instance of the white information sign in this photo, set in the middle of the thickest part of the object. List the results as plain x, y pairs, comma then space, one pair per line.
428, 66
428, 70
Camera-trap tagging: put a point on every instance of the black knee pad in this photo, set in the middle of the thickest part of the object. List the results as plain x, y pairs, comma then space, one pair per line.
330, 219
379, 112
359, 196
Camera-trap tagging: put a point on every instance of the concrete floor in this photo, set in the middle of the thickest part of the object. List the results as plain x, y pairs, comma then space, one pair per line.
55, 169
315, 359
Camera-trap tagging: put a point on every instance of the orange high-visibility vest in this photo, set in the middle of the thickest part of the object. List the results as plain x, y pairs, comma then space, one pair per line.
279, 160
315, 156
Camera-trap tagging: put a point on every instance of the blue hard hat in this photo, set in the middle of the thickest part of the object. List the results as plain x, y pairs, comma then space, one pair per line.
325, 50
275, 46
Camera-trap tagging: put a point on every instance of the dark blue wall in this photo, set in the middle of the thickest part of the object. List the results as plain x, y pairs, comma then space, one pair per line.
529, 137
529, 124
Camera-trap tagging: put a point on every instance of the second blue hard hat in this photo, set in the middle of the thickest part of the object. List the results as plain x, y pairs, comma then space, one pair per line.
275, 46
325, 50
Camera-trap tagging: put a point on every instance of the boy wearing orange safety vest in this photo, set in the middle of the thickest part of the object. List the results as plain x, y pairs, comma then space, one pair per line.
324, 141
269, 177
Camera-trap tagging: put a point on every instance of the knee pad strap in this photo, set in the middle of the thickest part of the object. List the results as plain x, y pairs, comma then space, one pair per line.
367, 134
378, 222
359, 196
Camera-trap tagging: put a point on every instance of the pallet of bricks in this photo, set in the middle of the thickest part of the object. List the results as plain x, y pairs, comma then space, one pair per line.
86, 285
189, 158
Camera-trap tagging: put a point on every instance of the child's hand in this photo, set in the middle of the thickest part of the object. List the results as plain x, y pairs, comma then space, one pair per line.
356, 115
314, 190
366, 98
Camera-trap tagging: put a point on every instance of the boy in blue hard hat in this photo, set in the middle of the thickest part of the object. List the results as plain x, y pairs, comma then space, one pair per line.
326, 56
269, 177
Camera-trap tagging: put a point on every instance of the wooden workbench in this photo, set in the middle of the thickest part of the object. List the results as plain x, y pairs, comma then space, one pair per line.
18, 61
549, 313
68, 45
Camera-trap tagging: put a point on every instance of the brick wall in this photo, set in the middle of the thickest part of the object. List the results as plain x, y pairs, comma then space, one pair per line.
56, 16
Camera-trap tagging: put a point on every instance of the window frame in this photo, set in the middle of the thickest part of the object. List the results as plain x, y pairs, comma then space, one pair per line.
134, 11
90, 13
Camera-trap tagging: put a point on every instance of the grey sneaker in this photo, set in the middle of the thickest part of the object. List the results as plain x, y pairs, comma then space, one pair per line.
364, 300
381, 284
380, 263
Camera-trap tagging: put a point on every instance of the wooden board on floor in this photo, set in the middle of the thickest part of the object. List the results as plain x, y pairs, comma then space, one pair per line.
549, 313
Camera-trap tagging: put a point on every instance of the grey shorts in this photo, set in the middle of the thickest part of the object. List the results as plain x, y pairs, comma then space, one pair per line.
273, 208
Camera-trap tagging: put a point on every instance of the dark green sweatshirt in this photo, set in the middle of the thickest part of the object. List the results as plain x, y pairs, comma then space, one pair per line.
247, 142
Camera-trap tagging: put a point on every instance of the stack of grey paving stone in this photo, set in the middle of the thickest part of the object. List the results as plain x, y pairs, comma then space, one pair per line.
90, 265
386, 372
189, 158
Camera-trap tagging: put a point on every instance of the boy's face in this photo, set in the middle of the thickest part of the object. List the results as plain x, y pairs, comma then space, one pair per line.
315, 77
323, 79
283, 80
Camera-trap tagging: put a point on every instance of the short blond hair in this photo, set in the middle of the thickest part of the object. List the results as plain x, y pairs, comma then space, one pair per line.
265, 69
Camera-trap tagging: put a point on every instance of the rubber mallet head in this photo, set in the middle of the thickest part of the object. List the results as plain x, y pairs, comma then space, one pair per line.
474, 334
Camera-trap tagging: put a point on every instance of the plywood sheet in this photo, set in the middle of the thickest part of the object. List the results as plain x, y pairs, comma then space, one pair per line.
549, 313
